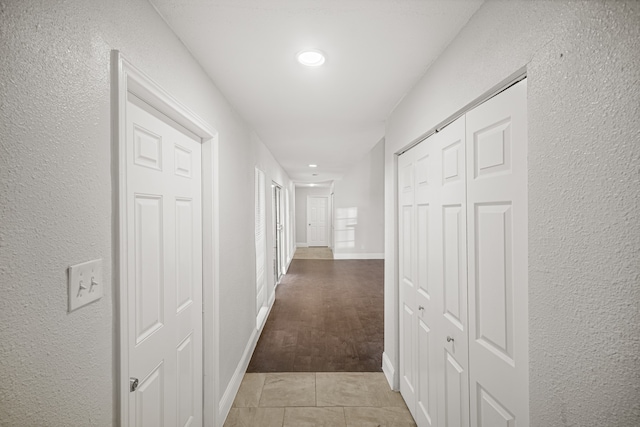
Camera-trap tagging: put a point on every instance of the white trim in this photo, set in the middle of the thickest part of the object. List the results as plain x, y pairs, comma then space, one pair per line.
234, 384
128, 79
230, 393
359, 256
301, 245
389, 371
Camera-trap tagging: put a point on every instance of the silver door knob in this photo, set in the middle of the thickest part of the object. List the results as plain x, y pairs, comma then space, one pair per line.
133, 384
449, 339
420, 307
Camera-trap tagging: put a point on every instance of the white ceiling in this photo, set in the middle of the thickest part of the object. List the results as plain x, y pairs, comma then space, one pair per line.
331, 115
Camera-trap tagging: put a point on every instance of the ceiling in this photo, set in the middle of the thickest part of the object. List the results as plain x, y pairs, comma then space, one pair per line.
376, 50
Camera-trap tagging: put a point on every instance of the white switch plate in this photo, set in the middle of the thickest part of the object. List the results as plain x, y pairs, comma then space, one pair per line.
87, 275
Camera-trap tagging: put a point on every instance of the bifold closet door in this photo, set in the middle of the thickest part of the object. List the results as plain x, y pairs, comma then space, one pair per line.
407, 278
498, 269
449, 264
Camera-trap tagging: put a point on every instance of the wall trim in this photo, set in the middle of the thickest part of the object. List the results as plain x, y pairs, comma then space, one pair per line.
389, 371
301, 245
234, 385
359, 256
127, 79
229, 395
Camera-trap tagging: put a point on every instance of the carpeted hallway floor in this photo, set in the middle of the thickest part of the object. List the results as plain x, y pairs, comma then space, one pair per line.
327, 317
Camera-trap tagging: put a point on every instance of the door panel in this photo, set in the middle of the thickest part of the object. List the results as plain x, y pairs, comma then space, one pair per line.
452, 334
164, 269
149, 407
407, 280
497, 206
317, 214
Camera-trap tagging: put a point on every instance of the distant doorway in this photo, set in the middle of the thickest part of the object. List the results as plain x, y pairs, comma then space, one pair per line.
317, 218
278, 229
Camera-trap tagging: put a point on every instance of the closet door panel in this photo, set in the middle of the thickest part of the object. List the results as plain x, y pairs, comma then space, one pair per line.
498, 270
451, 331
407, 278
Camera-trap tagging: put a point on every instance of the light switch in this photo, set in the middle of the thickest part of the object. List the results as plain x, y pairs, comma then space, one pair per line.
85, 283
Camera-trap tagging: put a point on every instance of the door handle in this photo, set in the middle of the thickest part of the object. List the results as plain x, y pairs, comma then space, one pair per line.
133, 384
450, 339
420, 307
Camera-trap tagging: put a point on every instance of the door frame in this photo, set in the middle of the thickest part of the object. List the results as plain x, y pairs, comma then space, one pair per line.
326, 217
125, 79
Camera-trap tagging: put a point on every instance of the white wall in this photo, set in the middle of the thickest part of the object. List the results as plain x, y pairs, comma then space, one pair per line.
584, 246
56, 200
301, 194
359, 208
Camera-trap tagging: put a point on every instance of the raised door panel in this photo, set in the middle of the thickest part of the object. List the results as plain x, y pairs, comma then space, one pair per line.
455, 393
498, 259
426, 402
186, 382
150, 400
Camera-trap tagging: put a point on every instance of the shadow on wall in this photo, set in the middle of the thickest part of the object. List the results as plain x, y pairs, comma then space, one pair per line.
345, 222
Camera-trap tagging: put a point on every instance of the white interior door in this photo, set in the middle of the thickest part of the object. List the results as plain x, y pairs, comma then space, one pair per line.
317, 216
450, 222
261, 245
164, 270
498, 269
408, 270
419, 293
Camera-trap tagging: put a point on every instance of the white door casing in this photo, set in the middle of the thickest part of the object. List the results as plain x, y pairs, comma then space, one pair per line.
498, 262
164, 280
317, 216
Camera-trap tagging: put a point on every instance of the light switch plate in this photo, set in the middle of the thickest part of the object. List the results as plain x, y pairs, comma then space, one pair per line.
85, 283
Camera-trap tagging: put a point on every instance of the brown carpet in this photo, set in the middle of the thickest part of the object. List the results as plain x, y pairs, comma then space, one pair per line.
328, 317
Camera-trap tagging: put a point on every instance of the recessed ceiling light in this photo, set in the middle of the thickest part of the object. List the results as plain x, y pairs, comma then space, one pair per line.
311, 57
313, 166
312, 185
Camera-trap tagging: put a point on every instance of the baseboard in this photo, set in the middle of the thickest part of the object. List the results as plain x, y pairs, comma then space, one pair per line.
389, 371
234, 385
358, 256
302, 245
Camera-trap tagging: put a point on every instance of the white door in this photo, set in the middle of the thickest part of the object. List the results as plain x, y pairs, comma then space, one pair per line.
498, 269
450, 265
317, 215
419, 291
408, 260
164, 276
261, 245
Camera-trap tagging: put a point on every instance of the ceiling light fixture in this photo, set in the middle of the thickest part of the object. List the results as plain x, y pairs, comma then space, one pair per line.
311, 57
313, 166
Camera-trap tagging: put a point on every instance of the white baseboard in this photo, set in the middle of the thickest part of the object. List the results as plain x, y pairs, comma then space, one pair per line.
234, 385
301, 245
358, 256
389, 372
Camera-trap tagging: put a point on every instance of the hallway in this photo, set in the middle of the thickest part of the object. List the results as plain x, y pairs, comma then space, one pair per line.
327, 317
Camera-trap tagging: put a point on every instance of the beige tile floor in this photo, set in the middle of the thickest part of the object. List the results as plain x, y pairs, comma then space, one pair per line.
313, 253
303, 399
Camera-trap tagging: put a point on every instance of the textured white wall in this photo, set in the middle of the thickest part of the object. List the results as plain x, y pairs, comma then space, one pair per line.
301, 208
362, 189
583, 68
56, 200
